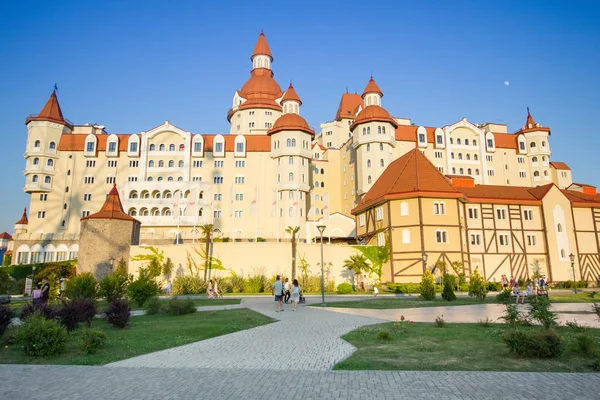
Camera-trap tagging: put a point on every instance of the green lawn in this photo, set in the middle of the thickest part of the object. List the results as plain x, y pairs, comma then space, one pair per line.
145, 334
457, 347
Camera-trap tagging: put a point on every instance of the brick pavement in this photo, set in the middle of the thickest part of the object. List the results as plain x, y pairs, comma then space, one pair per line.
99, 383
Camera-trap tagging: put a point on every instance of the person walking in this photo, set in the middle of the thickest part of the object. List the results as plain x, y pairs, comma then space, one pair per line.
169, 288
504, 281
277, 291
216, 289
295, 295
286, 291
45, 295
209, 290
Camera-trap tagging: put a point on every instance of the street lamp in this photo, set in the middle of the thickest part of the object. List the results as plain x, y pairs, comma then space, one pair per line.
321, 228
572, 257
424, 261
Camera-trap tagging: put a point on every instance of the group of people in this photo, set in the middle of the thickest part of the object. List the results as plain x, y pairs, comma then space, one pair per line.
41, 294
213, 289
513, 284
285, 292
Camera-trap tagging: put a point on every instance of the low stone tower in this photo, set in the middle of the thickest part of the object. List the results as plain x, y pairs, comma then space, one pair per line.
106, 237
21, 225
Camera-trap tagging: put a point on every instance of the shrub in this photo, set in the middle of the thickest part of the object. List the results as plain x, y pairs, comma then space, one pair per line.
494, 287
143, 288
41, 337
153, 306
427, 288
74, 312
47, 311
6, 315
439, 321
449, 284
118, 313
189, 284
406, 288
259, 239
477, 286
540, 311
384, 335
92, 340
113, 286
596, 364
575, 327
180, 307
486, 323
344, 288
258, 282
503, 297
237, 283
540, 344
585, 345
463, 288
511, 316
82, 286
569, 284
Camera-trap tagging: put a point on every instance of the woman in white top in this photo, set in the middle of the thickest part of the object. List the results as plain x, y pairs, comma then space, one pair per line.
295, 298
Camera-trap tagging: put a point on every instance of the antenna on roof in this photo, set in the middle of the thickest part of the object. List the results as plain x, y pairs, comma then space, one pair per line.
346, 88
527, 109
55, 87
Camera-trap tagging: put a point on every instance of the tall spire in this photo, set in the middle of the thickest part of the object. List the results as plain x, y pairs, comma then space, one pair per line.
51, 112
262, 47
291, 95
372, 88
23, 220
530, 122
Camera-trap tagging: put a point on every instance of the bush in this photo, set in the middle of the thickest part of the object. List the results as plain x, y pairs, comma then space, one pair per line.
439, 321
512, 316
113, 286
575, 327
449, 284
494, 287
344, 288
6, 315
143, 288
47, 311
258, 282
504, 297
540, 344
74, 312
585, 345
180, 307
540, 311
189, 284
41, 337
384, 335
569, 284
237, 283
405, 288
477, 286
486, 323
153, 306
93, 340
118, 313
82, 286
427, 288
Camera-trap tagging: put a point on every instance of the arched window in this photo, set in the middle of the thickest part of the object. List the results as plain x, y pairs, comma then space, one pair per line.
364, 131
34, 178
316, 183
291, 212
559, 228
200, 212
369, 180
181, 147
180, 179
468, 156
316, 170
289, 142
170, 179
452, 156
37, 143
317, 211
151, 163
468, 171
161, 147
152, 147
52, 146
150, 179
475, 157
460, 156
404, 209
466, 142
532, 145
543, 158
160, 178
534, 159
368, 163
47, 179
322, 171
536, 173
180, 164
461, 171
293, 142
474, 142
368, 130
381, 162
451, 141
290, 160
543, 143
322, 184
383, 129
476, 171
405, 236
171, 147
36, 161
133, 194
563, 254
291, 177
457, 140
368, 146
171, 163
546, 173
161, 164
379, 130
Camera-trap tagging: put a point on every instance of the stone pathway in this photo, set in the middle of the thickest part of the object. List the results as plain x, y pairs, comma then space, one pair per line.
472, 313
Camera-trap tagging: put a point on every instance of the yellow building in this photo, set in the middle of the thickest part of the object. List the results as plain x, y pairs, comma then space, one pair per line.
270, 171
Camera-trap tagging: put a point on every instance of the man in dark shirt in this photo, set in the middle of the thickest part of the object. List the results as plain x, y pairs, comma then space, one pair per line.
45, 292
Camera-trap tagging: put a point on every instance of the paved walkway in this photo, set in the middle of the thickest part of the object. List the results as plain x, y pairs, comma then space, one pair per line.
473, 313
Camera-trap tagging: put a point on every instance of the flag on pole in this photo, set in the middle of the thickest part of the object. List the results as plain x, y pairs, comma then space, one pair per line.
254, 204
274, 205
326, 206
231, 197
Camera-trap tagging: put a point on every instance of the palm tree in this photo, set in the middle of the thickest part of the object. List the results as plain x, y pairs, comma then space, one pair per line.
207, 231
293, 231
356, 263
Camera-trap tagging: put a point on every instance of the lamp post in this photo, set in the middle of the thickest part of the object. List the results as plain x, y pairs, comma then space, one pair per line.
572, 257
321, 228
424, 261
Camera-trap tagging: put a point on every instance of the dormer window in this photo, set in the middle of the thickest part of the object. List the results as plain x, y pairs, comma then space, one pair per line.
112, 147
133, 147
90, 147
439, 139
490, 143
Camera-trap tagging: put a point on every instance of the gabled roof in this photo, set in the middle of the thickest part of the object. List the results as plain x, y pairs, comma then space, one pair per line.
5, 235
580, 199
559, 165
498, 194
412, 174
348, 104
291, 95
51, 112
112, 208
23, 220
408, 133
372, 88
506, 140
262, 47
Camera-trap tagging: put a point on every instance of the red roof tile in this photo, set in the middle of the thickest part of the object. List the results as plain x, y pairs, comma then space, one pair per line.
254, 143
23, 220
560, 165
76, 141
262, 47
112, 208
373, 113
51, 112
5, 235
408, 133
290, 94
506, 140
580, 199
348, 104
290, 122
372, 88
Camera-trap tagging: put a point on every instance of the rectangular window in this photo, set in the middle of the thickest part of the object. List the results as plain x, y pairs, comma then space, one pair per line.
240, 179
44, 197
239, 147
239, 213
87, 197
133, 147
218, 196
240, 196
522, 145
441, 236
41, 214
528, 215
197, 164
198, 147
531, 240
88, 180
421, 137
112, 147
112, 164
134, 164
218, 147
438, 154
361, 220
85, 213
475, 239
473, 213
217, 213
196, 179
490, 143
217, 179
132, 178
240, 163
90, 163
503, 239
489, 157
90, 147
501, 213
490, 172
111, 179
439, 139
379, 212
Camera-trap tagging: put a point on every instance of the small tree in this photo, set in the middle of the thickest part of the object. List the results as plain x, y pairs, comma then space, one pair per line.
477, 286
154, 268
449, 283
207, 231
356, 263
167, 268
82, 286
536, 270
293, 231
427, 287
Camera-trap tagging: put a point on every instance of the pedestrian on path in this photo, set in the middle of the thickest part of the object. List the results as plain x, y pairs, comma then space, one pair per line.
209, 290
45, 295
169, 288
216, 289
375, 291
277, 291
295, 296
504, 282
286, 291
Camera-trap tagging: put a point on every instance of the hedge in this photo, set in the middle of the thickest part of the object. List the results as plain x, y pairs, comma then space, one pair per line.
25, 270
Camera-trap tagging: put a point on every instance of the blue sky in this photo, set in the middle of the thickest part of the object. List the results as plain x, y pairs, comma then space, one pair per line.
131, 65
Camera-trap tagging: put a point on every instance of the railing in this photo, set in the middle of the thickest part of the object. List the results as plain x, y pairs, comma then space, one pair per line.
38, 186
46, 236
170, 220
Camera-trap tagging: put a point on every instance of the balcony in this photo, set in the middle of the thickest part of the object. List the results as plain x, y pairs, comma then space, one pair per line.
163, 202
39, 169
184, 220
38, 151
32, 187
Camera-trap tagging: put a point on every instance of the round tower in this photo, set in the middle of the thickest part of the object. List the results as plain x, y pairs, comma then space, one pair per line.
257, 104
537, 148
21, 225
373, 137
291, 138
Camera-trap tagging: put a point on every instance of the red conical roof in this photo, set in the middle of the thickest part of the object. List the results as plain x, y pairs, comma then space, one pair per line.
262, 47
372, 88
51, 112
23, 220
290, 122
112, 208
290, 94
530, 122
